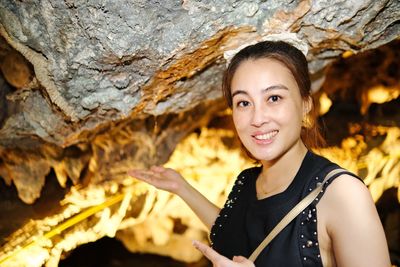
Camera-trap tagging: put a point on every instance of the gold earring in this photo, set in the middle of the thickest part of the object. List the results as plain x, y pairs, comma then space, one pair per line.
306, 122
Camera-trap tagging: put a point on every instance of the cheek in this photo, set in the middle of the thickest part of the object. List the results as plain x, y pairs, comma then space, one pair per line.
236, 123
296, 120
286, 117
239, 120
292, 111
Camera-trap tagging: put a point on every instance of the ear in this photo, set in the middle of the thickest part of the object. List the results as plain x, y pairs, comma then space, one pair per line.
307, 105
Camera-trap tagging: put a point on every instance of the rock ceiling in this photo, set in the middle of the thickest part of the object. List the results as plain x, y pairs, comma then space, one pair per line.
92, 68
91, 88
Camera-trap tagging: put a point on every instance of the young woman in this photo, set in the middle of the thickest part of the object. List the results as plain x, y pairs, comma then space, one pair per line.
267, 86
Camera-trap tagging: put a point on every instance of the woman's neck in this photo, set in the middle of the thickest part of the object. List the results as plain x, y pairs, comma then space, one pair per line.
276, 175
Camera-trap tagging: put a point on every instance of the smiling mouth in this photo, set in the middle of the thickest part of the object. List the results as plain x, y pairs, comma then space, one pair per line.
266, 136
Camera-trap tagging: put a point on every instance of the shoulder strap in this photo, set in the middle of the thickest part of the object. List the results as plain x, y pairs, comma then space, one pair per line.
304, 203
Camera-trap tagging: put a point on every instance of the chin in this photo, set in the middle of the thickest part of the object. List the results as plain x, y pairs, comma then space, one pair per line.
263, 156
268, 154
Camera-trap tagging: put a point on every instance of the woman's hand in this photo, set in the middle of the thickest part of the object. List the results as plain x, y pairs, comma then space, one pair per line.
220, 261
171, 181
162, 178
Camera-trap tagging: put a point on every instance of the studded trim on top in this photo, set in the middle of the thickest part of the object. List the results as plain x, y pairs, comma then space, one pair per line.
308, 241
233, 197
306, 222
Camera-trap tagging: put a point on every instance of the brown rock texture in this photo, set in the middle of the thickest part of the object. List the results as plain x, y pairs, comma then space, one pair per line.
97, 66
89, 89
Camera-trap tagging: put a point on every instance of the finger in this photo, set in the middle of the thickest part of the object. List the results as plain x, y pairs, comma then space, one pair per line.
152, 178
137, 173
133, 173
207, 251
158, 169
241, 259
144, 175
236, 259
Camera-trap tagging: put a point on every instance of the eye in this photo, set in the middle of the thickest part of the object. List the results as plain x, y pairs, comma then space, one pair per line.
274, 98
242, 103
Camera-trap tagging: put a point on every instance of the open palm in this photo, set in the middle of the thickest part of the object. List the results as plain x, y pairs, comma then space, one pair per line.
162, 178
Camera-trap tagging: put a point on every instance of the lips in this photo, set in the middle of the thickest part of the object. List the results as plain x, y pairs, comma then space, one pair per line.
264, 137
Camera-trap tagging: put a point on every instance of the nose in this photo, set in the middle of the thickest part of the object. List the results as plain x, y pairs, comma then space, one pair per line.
260, 116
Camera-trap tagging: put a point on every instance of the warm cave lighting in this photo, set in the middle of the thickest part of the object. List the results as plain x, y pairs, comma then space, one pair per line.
347, 54
324, 104
206, 159
379, 94
379, 166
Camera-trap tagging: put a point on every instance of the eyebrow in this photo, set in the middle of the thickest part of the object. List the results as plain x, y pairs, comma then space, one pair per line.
272, 87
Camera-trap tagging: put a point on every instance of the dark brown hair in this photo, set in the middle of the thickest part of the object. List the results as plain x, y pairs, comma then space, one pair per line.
296, 62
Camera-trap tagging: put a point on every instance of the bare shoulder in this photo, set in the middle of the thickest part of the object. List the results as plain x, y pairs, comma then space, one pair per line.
348, 197
349, 189
351, 221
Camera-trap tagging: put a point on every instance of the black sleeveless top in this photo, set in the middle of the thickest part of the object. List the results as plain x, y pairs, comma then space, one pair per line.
245, 221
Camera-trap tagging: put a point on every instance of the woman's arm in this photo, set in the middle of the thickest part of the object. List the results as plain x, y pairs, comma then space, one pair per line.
353, 224
169, 180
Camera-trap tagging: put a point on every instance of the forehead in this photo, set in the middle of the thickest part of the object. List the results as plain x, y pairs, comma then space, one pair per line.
262, 73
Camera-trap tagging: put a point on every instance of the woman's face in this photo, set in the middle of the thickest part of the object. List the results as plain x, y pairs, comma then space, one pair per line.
267, 108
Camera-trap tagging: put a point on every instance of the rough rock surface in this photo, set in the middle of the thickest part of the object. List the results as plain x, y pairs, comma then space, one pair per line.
89, 89
97, 64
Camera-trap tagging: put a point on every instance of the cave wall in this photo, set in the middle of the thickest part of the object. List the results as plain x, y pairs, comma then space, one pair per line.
89, 89
88, 66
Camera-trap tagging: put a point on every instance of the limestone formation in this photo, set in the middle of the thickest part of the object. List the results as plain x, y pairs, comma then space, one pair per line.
104, 63
89, 89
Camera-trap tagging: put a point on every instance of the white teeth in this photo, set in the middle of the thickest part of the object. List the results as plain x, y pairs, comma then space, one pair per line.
266, 136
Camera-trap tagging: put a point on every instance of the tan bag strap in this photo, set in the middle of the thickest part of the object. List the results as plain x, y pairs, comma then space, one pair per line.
302, 205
